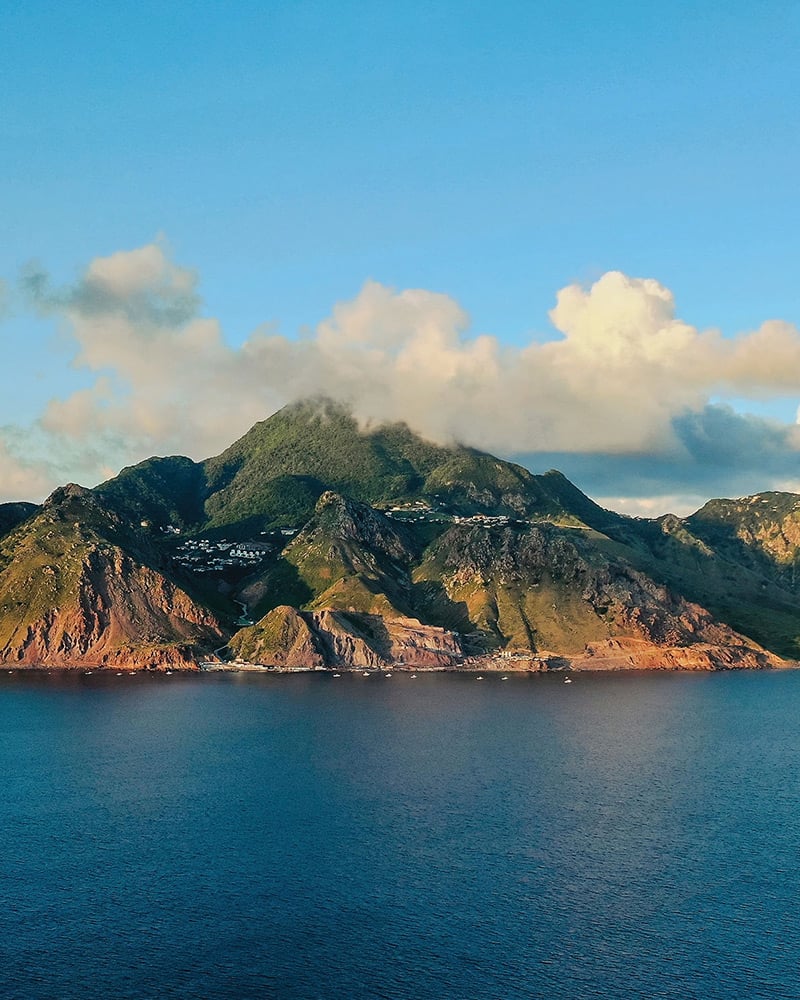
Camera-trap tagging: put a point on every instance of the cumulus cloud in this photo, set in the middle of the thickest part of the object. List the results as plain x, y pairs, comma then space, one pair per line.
142, 286
622, 382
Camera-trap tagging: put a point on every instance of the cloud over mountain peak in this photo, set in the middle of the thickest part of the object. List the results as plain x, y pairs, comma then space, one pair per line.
621, 374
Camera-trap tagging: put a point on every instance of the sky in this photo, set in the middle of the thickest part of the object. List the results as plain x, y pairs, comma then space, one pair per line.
563, 232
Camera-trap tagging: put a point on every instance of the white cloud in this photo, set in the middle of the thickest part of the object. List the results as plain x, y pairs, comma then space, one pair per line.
143, 271
617, 380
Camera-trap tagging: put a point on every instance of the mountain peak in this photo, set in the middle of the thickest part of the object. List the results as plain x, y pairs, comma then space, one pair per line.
71, 491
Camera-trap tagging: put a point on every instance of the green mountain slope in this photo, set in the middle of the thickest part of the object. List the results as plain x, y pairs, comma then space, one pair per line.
348, 556
164, 491
274, 475
312, 447
317, 441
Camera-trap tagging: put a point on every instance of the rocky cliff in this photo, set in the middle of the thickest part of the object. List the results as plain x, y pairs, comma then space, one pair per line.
317, 639
73, 593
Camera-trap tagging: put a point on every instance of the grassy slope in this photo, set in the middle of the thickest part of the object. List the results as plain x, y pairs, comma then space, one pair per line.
318, 442
279, 468
514, 588
161, 490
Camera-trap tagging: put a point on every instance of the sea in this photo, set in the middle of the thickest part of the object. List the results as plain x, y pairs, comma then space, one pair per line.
307, 836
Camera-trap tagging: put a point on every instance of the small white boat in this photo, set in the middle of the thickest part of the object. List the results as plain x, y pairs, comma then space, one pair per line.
388, 675
503, 678
366, 673
413, 677
337, 675
479, 678
567, 680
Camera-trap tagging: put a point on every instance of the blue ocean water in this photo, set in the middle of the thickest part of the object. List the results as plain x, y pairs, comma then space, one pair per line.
312, 837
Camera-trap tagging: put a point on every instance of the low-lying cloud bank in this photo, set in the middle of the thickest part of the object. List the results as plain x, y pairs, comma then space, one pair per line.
619, 398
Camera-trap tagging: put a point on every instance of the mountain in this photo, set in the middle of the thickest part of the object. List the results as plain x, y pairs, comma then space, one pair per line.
314, 542
12, 514
79, 587
274, 475
735, 557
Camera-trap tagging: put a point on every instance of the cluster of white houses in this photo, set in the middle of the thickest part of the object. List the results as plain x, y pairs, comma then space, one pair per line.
488, 519
421, 511
204, 556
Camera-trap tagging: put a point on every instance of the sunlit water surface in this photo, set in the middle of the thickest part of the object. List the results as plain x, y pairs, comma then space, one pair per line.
319, 837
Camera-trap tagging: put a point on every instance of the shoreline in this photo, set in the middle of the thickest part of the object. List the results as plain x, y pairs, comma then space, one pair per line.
490, 666
254, 670
610, 655
614, 655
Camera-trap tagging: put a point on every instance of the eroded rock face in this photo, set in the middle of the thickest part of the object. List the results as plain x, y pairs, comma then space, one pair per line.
766, 525
315, 640
543, 587
353, 521
318, 639
638, 654
117, 613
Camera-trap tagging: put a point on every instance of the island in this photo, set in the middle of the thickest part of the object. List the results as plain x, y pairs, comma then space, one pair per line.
315, 543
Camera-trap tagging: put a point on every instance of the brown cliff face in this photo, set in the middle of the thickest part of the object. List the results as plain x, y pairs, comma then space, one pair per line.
70, 596
638, 654
119, 614
318, 639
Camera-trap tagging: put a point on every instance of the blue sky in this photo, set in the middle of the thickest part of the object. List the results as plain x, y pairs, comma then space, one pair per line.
287, 153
